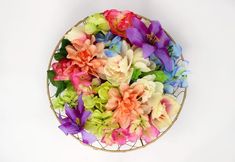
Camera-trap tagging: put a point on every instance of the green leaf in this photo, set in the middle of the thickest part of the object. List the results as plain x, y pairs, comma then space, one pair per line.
59, 56
62, 53
135, 75
160, 76
64, 43
51, 75
60, 85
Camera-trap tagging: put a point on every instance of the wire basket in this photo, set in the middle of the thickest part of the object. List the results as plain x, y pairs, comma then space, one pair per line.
179, 93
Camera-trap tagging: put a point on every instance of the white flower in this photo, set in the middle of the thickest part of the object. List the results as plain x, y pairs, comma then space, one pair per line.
139, 62
118, 68
150, 87
75, 33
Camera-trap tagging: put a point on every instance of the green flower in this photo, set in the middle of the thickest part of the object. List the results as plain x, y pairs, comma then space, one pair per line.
68, 96
99, 122
93, 102
96, 23
103, 90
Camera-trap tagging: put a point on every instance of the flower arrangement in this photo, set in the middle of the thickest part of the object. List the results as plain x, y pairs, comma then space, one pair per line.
115, 76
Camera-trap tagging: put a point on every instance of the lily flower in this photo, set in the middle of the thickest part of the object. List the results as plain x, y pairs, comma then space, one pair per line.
152, 39
75, 121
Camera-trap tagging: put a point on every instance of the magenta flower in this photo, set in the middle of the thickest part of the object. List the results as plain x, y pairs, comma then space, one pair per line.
75, 121
152, 39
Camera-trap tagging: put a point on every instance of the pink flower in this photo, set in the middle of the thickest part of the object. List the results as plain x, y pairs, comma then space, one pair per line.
120, 136
141, 128
119, 21
63, 69
81, 82
150, 134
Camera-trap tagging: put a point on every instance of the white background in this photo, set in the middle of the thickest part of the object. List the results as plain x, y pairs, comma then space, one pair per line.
205, 130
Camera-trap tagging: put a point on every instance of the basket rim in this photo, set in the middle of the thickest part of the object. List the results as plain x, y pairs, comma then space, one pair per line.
97, 148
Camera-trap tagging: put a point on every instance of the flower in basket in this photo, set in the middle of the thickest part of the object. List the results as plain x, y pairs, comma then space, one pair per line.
115, 77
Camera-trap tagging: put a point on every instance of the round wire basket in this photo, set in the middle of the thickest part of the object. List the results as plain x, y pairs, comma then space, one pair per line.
179, 93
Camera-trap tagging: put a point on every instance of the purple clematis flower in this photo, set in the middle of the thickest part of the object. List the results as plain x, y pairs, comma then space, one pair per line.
75, 121
152, 39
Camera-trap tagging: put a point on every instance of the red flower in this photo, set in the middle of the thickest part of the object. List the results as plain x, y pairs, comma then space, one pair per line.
119, 21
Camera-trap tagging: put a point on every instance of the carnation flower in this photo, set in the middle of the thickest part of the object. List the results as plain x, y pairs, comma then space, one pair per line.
125, 103
64, 69
84, 55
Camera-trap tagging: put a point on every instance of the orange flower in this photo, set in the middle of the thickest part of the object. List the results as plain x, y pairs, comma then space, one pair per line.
119, 21
125, 104
84, 53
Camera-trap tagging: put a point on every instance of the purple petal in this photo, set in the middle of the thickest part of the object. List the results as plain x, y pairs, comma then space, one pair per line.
165, 59
135, 36
164, 39
65, 120
148, 50
80, 104
71, 113
84, 117
69, 128
155, 27
138, 24
87, 137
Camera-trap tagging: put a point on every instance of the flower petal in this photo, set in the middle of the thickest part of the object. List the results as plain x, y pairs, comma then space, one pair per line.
87, 137
148, 50
165, 59
69, 128
164, 39
155, 27
135, 36
80, 104
84, 117
138, 24
71, 113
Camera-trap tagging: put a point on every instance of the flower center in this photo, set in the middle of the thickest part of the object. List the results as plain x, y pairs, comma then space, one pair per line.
78, 121
152, 38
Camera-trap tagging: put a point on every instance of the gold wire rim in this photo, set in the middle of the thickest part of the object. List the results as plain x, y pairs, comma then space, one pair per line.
97, 148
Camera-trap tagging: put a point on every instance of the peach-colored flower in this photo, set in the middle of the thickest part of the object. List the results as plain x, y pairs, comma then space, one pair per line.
84, 54
119, 21
125, 104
